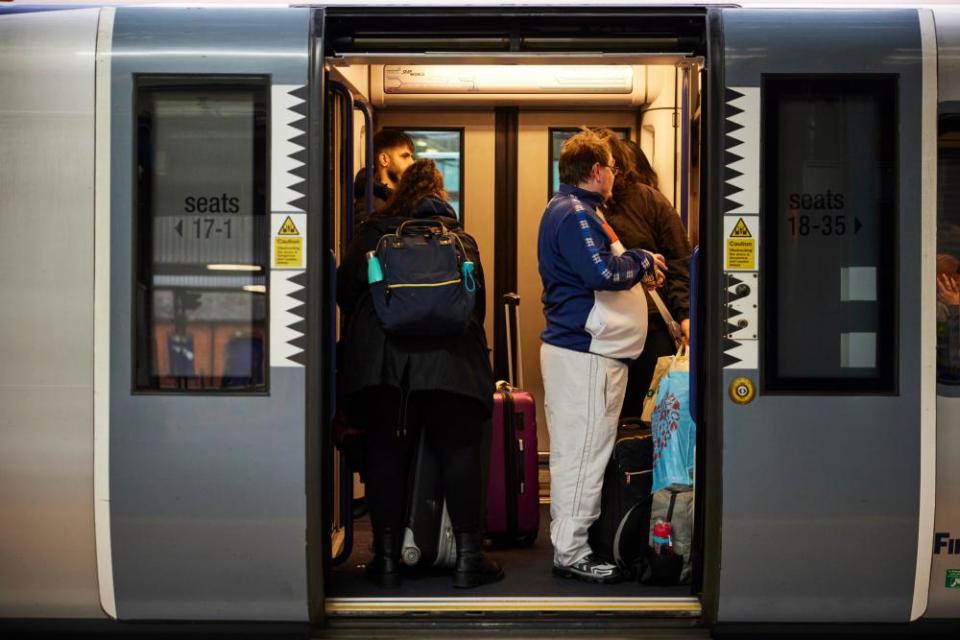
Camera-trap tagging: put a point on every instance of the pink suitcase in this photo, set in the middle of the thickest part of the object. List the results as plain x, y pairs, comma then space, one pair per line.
513, 488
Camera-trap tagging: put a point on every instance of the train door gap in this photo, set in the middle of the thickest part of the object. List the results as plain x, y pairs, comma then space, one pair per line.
530, 589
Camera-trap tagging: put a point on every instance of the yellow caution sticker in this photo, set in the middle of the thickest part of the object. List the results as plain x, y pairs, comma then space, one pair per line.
289, 243
740, 249
288, 252
288, 228
740, 230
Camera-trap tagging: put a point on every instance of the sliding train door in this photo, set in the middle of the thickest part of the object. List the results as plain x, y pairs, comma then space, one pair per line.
201, 276
824, 371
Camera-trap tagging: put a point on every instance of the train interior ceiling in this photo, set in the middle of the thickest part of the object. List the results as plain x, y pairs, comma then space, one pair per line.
470, 113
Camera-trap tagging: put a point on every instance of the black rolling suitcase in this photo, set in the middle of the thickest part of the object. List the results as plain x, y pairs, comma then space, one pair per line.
620, 533
428, 537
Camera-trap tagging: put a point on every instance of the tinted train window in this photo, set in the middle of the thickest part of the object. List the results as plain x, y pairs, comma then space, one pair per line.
445, 148
829, 233
202, 235
557, 138
948, 252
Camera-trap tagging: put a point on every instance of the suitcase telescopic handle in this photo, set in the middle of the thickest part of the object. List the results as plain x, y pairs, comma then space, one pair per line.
511, 311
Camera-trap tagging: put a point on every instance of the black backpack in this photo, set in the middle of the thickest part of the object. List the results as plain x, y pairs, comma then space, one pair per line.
427, 288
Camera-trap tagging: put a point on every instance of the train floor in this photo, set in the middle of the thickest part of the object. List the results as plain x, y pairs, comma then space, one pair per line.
528, 574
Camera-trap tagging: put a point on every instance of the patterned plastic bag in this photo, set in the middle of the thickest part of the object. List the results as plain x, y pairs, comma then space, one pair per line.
673, 429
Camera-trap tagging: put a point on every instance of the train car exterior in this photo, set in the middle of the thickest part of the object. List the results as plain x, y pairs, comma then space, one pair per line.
168, 218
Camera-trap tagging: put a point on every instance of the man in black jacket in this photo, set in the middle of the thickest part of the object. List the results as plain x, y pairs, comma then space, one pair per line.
393, 153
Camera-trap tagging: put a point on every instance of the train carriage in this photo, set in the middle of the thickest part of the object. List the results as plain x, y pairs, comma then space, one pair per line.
176, 187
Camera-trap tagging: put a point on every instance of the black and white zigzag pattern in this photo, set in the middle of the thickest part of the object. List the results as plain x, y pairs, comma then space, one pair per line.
288, 194
741, 196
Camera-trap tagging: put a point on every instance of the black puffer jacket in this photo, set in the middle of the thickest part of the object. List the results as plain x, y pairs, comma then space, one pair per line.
644, 219
370, 357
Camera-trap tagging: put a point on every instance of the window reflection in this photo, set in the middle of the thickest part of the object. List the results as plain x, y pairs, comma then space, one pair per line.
948, 253
445, 148
829, 220
202, 236
557, 138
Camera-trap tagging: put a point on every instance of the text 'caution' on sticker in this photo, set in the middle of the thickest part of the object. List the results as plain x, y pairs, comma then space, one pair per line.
288, 252
740, 243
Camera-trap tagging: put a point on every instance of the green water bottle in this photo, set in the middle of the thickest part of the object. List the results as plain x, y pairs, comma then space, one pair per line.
467, 271
374, 270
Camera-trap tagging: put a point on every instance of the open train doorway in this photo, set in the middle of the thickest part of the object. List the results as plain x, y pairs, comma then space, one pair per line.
493, 107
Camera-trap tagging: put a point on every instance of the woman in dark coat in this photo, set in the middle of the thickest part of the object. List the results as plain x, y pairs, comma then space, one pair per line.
644, 219
394, 386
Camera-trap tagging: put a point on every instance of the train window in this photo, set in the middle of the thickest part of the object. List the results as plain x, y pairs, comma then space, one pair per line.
557, 138
202, 248
445, 147
948, 252
829, 233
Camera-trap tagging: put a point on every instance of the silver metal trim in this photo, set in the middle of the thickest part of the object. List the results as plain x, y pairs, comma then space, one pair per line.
101, 318
928, 339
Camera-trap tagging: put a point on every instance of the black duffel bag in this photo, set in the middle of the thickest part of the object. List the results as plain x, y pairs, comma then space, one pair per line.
620, 534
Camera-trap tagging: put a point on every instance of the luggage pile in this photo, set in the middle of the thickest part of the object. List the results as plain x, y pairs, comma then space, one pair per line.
646, 519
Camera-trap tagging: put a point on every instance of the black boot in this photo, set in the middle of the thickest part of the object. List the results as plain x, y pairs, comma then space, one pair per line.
384, 569
473, 569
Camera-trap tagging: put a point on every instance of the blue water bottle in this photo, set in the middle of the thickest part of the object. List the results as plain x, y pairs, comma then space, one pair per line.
468, 281
374, 270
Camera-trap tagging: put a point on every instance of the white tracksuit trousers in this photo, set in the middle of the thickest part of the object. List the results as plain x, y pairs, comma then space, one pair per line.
583, 396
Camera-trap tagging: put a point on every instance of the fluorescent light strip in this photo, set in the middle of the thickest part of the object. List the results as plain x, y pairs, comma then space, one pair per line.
234, 267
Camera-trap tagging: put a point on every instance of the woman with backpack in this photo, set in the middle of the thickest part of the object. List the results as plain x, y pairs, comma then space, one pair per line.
395, 385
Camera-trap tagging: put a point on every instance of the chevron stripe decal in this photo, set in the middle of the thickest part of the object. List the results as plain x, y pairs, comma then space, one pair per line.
288, 177
288, 203
742, 152
741, 197
286, 315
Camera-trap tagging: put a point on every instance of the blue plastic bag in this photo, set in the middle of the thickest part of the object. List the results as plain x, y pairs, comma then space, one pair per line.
674, 432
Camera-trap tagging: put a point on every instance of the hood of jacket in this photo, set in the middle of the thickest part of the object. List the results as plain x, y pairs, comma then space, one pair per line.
380, 190
428, 208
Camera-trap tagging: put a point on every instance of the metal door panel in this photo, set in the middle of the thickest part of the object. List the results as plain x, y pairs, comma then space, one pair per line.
207, 492
820, 491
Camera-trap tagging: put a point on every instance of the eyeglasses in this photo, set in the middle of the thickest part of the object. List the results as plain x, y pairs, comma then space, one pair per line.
614, 170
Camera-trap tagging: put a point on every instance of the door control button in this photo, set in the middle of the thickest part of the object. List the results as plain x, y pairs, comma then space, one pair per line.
742, 390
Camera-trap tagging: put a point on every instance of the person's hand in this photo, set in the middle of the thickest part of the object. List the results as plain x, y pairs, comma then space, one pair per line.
660, 262
948, 289
685, 328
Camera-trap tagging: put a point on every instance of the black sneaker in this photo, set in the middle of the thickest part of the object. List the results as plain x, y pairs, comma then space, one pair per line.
590, 569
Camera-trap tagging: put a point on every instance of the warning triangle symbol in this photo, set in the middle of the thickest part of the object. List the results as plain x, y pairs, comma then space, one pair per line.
288, 228
739, 230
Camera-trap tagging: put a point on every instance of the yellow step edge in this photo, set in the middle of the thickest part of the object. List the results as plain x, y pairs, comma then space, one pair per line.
354, 606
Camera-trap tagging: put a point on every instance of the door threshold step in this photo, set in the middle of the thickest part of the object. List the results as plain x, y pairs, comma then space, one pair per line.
688, 607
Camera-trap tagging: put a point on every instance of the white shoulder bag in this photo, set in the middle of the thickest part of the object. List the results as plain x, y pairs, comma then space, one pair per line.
617, 323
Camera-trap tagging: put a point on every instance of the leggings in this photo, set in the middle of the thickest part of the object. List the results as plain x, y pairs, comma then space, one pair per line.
453, 426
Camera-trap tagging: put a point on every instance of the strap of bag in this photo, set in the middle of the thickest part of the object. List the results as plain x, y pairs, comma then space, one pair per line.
429, 223
512, 301
672, 325
673, 500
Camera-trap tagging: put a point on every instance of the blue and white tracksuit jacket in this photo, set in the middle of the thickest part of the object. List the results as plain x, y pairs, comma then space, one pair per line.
575, 260
583, 392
